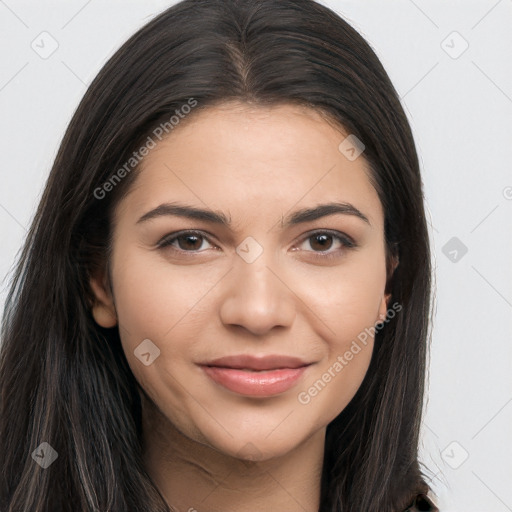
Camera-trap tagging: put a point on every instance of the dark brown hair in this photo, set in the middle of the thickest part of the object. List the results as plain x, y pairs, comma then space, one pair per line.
66, 381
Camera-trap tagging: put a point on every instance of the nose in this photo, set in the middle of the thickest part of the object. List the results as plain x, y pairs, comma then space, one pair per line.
257, 297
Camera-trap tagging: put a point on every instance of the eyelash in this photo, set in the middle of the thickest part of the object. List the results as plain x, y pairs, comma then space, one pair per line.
346, 242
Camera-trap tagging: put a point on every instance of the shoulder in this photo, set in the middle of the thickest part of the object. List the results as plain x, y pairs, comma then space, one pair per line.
422, 503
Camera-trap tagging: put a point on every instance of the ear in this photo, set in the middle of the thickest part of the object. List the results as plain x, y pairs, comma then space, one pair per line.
391, 265
383, 309
103, 310
392, 262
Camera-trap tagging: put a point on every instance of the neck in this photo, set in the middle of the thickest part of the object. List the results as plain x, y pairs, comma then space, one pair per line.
194, 477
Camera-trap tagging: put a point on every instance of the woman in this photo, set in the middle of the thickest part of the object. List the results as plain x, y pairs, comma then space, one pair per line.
223, 300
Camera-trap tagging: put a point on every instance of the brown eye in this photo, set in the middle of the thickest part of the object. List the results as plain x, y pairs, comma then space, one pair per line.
325, 244
321, 242
188, 241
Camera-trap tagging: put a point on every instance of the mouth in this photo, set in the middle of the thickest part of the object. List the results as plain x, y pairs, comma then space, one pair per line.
262, 376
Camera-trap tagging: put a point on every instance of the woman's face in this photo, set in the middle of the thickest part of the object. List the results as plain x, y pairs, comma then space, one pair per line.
282, 288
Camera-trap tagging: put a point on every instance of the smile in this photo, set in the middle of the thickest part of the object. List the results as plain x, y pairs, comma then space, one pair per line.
256, 376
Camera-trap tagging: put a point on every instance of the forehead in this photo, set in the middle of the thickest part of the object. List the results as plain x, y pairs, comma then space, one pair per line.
253, 161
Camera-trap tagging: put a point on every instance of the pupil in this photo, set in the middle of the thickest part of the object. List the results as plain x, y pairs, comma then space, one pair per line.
187, 244
322, 239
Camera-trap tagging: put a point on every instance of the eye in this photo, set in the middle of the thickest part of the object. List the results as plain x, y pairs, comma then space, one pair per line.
185, 241
326, 244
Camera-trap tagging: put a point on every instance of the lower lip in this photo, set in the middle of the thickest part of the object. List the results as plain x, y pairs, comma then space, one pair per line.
264, 383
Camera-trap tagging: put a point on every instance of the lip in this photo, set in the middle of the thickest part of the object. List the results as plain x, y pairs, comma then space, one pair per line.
256, 376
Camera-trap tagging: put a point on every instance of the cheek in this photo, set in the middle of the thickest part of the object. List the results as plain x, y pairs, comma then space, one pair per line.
347, 301
347, 298
167, 305
156, 299
328, 392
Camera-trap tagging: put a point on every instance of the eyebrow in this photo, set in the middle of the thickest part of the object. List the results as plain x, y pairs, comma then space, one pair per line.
216, 217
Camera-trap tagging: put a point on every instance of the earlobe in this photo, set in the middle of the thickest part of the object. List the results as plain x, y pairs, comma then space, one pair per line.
103, 309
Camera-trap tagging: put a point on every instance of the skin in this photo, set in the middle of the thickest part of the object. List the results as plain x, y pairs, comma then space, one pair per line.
208, 448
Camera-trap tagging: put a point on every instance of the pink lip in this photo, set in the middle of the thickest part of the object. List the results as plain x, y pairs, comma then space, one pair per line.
256, 376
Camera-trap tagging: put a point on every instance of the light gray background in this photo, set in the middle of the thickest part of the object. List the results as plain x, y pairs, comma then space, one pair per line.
460, 107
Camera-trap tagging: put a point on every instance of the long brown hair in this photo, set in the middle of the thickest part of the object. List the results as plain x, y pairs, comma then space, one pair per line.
66, 381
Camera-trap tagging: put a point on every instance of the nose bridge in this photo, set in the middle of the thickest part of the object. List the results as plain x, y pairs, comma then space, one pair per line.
257, 297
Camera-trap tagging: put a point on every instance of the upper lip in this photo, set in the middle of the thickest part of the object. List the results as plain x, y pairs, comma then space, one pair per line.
268, 362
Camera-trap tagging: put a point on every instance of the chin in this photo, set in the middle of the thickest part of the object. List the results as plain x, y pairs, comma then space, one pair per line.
256, 445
